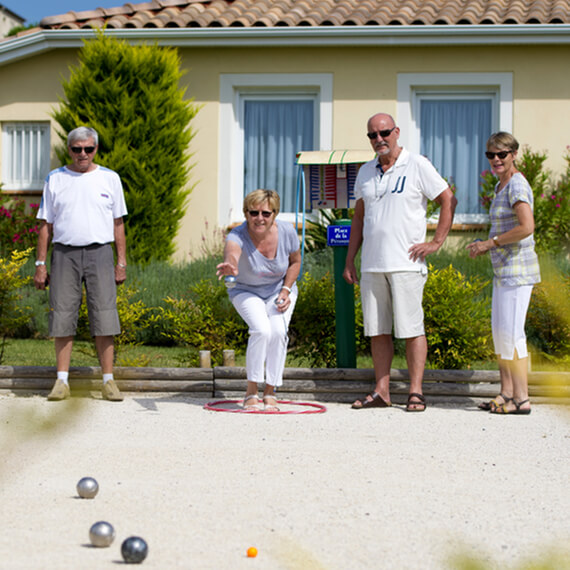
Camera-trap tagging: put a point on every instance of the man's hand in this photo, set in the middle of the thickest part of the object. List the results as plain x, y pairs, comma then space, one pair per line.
421, 250
350, 274
41, 277
120, 274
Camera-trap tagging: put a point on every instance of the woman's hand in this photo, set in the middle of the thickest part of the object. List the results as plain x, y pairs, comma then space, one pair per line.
479, 247
282, 302
226, 268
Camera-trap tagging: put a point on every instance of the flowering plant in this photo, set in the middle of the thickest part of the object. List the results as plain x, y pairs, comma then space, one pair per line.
487, 192
18, 225
552, 213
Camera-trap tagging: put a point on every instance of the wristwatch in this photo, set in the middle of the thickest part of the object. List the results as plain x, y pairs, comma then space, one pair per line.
496, 241
38, 263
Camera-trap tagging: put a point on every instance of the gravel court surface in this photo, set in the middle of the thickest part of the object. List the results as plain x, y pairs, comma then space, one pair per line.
378, 488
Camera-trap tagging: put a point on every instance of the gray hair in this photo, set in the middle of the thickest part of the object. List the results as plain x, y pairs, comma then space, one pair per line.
82, 134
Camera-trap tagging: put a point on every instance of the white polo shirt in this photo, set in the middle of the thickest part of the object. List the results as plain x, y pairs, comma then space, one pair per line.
395, 206
82, 206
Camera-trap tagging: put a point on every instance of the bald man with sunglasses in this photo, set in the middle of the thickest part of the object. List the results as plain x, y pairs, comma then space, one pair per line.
81, 214
389, 223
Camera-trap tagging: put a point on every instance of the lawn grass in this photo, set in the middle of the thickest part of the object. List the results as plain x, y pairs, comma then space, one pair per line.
35, 352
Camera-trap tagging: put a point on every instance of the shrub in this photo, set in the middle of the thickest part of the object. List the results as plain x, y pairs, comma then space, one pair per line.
457, 319
548, 318
313, 325
133, 316
18, 227
552, 214
12, 315
130, 94
205, 320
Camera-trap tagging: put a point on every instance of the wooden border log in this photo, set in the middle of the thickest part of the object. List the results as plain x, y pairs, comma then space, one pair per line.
326, 384
120, 372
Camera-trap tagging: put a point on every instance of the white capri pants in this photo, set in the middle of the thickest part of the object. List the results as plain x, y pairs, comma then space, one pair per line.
508, 315
268, 338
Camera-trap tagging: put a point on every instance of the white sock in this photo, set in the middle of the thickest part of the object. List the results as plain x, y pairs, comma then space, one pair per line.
63, 376
107, 377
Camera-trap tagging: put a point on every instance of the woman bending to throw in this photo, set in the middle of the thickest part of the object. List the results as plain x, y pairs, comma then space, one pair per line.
515, 269
264, 256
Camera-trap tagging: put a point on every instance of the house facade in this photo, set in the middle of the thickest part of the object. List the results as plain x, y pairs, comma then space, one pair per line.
8, 21
274, 78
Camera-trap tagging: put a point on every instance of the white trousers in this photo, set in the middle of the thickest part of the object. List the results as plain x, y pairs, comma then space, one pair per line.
268, 339
508, 315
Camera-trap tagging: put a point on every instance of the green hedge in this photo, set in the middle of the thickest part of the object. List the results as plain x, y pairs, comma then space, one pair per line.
185, 305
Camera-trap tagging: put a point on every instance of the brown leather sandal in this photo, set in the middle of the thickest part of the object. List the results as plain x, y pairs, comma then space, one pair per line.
422, 402
376, 401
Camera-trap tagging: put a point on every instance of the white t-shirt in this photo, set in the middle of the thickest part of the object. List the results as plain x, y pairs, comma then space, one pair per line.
395, 206
82, 206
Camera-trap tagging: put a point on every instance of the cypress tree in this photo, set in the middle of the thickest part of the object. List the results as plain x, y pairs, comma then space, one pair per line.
130, 94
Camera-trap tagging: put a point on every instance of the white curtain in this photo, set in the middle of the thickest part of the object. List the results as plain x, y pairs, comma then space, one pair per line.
453, 136
274, 132
26, 155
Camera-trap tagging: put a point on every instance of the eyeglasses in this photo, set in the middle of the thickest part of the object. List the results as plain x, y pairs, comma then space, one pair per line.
385, 133
264, 213
78, 149
501, 154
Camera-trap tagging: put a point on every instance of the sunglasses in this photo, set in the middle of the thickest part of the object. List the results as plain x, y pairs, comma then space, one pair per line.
385, 133
501, 154
78, 149
264, 213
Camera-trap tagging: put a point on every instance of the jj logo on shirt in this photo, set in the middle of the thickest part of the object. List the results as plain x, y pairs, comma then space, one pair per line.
400, 183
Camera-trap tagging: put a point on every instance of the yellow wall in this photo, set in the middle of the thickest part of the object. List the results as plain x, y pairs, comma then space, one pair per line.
364, 82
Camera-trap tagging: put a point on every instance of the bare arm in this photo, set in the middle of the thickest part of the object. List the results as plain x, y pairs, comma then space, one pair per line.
232, 253
293, 270
524, 228
447, 203
41, 277
350, 275
121, 248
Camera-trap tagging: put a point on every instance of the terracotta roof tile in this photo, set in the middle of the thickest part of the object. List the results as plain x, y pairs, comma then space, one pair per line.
293, 13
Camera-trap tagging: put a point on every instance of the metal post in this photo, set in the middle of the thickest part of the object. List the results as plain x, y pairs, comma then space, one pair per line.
344, 305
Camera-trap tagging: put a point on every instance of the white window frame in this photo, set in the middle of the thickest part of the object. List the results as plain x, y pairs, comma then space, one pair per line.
43, 146
412, 87
234, 90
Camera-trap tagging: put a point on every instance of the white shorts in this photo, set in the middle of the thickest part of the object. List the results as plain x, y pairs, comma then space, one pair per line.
508, 315
393, 299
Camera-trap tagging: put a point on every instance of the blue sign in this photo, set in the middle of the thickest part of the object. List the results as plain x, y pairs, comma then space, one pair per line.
338, 235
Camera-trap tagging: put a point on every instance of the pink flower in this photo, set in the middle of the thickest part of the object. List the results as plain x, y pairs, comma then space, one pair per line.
16, 238
558, 205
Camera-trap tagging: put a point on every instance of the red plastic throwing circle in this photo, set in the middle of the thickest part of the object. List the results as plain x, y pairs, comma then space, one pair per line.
217, 406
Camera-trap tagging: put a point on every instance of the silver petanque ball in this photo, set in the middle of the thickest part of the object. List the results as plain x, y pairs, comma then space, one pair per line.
87, 487
230, 281
134, 550
102, 534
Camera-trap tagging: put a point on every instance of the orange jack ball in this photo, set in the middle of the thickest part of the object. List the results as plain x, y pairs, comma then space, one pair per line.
252, 552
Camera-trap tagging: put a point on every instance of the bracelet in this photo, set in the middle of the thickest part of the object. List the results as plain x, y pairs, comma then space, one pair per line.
496, 241
122, 266
286, 288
